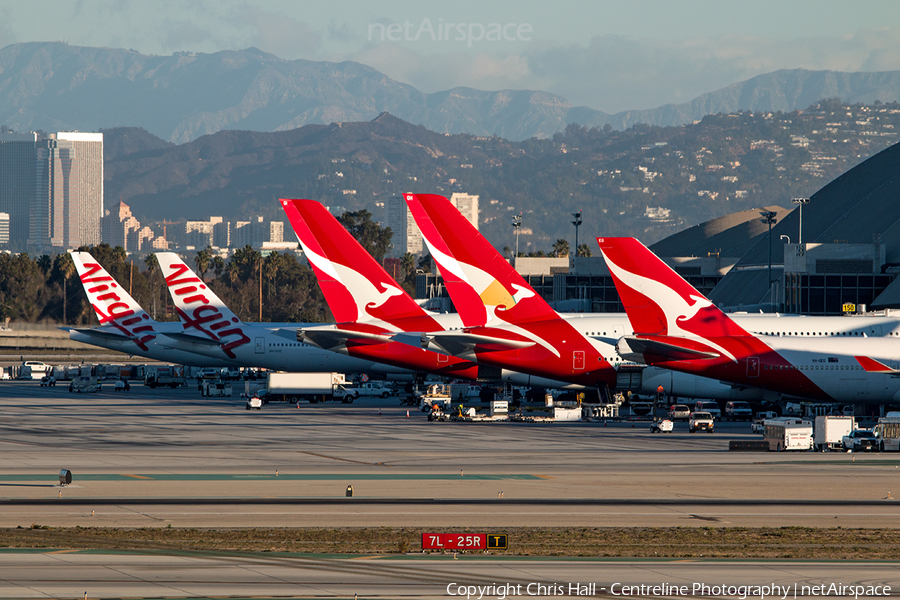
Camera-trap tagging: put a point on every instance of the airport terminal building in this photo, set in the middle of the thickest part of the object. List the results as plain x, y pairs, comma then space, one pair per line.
846, 259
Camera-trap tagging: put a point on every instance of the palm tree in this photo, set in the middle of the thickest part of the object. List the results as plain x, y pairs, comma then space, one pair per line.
408, 264
66, 269
202, 260
561, 248
152, 265
271, 265
218, 264
44, 263
583, 250
119, 255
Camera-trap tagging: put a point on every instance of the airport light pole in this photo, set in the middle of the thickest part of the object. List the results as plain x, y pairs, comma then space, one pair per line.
577, 222
768, 217
516, 223
801, 202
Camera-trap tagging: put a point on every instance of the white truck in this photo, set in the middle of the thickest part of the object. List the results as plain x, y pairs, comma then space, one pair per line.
34, 369
372, 389
315, 387
830, 431
164, 375
215, 388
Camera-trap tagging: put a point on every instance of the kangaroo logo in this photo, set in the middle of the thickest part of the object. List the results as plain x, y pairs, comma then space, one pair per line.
100, 286
365, 293
205, 317
676, 309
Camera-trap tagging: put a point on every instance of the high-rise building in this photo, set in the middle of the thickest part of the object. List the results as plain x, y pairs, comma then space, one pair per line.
4, 229
406, 235
119, 228
68, 203
467, 204
17, 179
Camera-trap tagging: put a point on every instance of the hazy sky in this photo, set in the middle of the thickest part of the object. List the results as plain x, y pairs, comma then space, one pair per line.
611, 56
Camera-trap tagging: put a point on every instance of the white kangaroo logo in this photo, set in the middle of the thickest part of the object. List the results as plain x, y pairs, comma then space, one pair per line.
676, 309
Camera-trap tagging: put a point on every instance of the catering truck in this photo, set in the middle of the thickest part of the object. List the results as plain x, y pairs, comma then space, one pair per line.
830, 431
315, 387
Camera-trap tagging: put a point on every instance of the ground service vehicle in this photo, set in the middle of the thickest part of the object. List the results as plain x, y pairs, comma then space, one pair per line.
48, 381
788, 434
888, 431
710, 407
701, 420
84, 385
34, 369
372, 388
254, 402
164, 375
738, 410
215, 388
679, 412
861, 440
664, 426
830, 432
315, 387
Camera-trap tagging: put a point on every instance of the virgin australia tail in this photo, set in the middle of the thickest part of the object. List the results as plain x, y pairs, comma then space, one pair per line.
204, 317
119, 314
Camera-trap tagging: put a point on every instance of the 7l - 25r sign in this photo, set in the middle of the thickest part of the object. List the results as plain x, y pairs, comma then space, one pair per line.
465, 541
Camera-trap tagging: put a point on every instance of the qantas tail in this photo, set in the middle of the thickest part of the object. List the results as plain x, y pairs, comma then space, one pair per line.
355, 286
482, 283
113, 305
657, 299
202, 313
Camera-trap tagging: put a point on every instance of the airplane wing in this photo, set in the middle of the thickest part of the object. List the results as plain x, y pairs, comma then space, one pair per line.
195, 340
463, 344
101, 334
672, 348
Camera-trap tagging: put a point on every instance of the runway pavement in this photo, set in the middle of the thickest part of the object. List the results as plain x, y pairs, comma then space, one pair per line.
154, 458
116, 575
141, 458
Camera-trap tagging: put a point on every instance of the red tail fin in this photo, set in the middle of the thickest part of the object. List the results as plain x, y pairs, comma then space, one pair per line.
471, 309
356, 287
657, 299
466, 258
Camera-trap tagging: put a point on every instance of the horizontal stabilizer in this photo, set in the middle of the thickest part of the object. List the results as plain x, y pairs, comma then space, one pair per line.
195, 340
329, 338
463, 344
101, 334
635, 348
870, 365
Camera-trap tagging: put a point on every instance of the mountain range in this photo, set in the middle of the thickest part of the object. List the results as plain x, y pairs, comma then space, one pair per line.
53, 86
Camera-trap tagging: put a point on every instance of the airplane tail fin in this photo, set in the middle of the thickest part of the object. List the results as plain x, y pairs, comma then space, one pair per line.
657, 299
201, 311
113, 305
482, 283
355, 286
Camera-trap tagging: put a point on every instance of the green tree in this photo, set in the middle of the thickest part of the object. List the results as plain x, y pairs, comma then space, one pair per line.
561, 248
65, 268
203, 259
583, 250
374, 238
